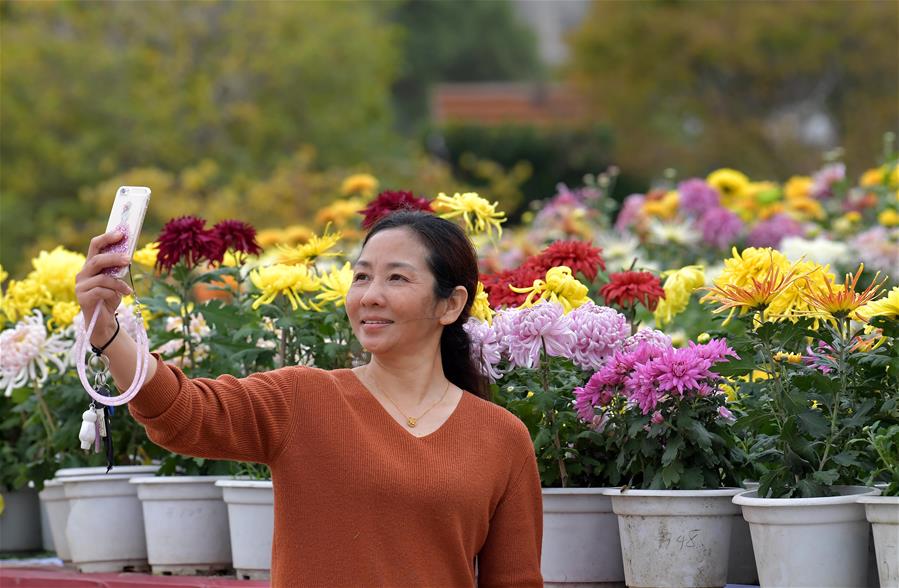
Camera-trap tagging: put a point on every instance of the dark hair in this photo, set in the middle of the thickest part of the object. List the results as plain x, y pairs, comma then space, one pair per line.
453, 262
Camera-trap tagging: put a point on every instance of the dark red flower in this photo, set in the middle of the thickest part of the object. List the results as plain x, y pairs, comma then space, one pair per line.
390, 201
497, 285
187, 239
627, 288
580, 256
238, 236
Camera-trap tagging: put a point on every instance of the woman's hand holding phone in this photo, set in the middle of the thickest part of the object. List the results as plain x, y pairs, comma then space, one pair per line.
96, 289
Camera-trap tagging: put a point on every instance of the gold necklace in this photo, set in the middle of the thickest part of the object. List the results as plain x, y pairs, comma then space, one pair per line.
412, 421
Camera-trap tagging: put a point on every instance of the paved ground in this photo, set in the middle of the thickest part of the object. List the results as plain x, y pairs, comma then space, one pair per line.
56, 576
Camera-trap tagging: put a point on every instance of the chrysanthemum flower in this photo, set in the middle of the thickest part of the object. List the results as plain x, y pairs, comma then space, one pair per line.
665, 206
888, 306
696, 196
56, 270
390, 201
559, 286
841, 301
237, 236
25, 352
798, 187
287, 280
309, 251
146, 255
3, 274
626, 289
679, 287
339, 212
651, 337
23, 296
480, 308
536, 327
824, 179
62, 315
186, 239
770, 232
720, 227
580, 256
485, 347
731, 184
479, 215
363, 184
599, 332
335, 284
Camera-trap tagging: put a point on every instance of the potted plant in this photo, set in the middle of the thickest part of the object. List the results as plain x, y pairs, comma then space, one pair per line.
883, 511
804, 410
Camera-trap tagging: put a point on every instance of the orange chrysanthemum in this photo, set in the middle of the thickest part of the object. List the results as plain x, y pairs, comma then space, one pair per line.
757, 296
842, 301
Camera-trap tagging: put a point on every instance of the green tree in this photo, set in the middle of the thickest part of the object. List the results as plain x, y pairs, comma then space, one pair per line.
91, 89
458, 41
761, 86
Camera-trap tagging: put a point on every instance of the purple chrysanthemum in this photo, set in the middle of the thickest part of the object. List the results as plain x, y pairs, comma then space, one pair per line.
678, 371
544, 324
696, 197
485, 348
770, 232
720, 227
878, 247
629, 212
825, 178
599, 331
715, 350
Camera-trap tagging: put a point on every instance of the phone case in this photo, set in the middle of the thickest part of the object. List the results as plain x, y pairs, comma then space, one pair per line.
127, 217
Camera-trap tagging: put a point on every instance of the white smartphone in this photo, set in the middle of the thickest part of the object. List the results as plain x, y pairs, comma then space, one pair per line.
127, 217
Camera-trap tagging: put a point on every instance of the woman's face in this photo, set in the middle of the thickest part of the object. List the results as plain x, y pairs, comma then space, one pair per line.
391, 303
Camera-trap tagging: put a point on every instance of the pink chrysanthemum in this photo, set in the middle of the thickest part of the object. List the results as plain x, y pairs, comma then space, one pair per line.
485, 347
653, 337
599, 332
544, 324
697, 196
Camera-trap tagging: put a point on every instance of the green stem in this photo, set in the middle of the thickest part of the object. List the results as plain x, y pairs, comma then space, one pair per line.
550, 417
841, 393
46, 415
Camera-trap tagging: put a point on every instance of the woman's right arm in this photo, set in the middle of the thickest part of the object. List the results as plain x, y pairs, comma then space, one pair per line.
96, 291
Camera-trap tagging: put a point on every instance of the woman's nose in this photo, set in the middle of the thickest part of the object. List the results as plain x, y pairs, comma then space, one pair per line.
373, 294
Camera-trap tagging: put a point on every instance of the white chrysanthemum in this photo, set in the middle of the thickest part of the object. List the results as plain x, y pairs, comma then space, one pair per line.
25, 351
673, 233
820, 250
618, 250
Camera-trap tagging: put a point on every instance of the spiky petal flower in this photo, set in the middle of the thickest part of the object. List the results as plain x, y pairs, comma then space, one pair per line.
841, 301
559, 286
237, 236
308, 252
186, 239
480, 215
390, 201
626, 289
679, 287
25, 352
287, 280
480, 308
580, 256
335, 285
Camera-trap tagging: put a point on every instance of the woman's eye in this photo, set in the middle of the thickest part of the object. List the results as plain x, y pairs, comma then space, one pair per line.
358, 277
397, 277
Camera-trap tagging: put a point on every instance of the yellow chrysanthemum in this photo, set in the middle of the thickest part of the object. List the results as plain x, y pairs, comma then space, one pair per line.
793, 302
783, 356
480, 308
888, 306
22, 296
479, 215
560, 286
63, 314
56, 270
679, 286
874, 177
336, 284
805, 208
730, 183
146, 255
309, 251
798, 187
340, 212
288, 280
888, 218
3, 274
664, 207
363, 184
270, 237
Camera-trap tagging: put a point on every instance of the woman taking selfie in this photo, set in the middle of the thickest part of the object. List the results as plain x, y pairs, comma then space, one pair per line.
397, 473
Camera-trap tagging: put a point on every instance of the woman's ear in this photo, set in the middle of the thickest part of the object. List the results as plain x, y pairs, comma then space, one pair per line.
454, 305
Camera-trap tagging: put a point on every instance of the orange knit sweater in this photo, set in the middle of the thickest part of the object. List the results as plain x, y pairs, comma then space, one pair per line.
359, 501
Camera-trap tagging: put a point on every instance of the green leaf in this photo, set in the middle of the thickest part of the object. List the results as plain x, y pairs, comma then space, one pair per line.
826, 477
671, 473
670, 454
814, 423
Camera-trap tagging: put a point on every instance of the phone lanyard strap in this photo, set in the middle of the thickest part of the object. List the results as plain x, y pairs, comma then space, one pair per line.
100, 364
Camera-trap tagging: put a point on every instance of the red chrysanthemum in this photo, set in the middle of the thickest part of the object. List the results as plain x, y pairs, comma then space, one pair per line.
627, 288
580, 256
497, 285
186, 239
390, 201
238, 236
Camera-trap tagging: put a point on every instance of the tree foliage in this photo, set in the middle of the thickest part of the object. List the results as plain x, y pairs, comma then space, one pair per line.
89, 90
698, 85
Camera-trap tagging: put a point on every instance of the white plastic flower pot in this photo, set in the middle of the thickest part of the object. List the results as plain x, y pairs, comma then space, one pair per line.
251, 516
54, 500
105, 527
809, 542
675, 538
883, 514
20, 523
186, 524
580, 539
741, 561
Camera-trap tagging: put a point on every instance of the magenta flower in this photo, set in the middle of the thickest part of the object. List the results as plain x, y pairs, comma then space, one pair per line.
770, 232
630, 211
715, 350
678, 371
544, 324
720, 227
657, 418
599, 332
726, 414
696, 197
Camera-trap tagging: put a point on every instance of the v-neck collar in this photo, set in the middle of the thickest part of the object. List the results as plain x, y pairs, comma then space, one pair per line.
373, 399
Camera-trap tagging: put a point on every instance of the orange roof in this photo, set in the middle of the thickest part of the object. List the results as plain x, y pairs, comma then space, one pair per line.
497, 103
